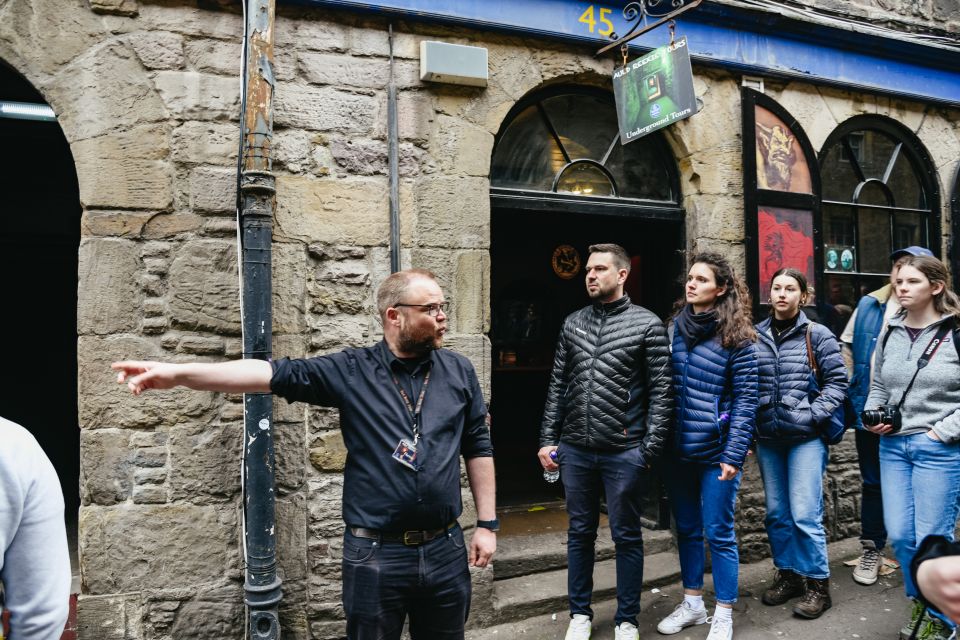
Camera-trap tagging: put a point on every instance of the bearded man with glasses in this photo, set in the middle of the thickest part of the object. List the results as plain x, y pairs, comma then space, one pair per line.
408, 410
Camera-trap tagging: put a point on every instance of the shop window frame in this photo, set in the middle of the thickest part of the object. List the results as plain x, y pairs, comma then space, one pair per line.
617, 205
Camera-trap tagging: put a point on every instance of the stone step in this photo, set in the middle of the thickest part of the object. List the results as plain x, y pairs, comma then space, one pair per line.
530, 554
533, 594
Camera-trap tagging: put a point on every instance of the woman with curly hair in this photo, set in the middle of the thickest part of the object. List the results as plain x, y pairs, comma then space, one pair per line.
715, 382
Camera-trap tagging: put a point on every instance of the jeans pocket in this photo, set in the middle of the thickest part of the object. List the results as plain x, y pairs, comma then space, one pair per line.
359, 550
455, 536
927, 435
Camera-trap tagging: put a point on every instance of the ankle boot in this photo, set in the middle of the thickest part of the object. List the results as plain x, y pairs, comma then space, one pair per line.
786, 585
816, 599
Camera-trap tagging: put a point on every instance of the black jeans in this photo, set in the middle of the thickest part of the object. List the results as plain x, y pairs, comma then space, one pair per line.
384, 582
871, 500
623, 477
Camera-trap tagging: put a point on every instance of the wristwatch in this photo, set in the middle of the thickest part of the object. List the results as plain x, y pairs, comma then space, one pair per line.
493, 525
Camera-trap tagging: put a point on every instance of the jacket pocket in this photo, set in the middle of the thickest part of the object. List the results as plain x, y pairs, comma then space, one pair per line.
796, 411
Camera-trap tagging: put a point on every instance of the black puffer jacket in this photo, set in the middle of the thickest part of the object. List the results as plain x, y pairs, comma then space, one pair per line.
610, 387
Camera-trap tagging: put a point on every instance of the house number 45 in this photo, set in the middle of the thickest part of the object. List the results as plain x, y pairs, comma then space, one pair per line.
593, 15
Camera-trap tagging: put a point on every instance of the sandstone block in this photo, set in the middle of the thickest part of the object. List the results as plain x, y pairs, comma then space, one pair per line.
205, 466
158, 49
472, 292
118, 224
462, 147
711, 127
375, 42
205, 143
220, 227
310, 34
324, 503
289, 287
105, 466
290, 454
108, 296
328, 452
113, 617
324, 109
199, 96
352, 71
149, 494
475, 348
128, 8
453, 212
338, 331
201, 345
330, 210
214, 56
213, 189
125, 169
293, 150
717, 217
104, 403
292, 536
415, 116
193, 22
213, 615
130, 547
109, 92
203, 288
718, 172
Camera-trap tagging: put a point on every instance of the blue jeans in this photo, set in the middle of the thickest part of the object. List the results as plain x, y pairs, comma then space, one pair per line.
702, 507
623, 477
793, 488
871, 500
921, 489
383, 582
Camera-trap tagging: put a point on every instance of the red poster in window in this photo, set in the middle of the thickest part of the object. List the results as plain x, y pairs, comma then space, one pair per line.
786, 240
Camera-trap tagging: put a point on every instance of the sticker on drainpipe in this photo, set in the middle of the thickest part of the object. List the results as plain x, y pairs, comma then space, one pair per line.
264, 424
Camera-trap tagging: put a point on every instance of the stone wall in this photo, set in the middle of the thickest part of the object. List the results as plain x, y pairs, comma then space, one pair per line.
148, 96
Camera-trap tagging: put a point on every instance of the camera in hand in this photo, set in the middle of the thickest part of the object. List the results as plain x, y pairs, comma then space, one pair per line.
884, 414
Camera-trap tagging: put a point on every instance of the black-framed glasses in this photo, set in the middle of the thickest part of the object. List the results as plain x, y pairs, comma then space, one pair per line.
432, 310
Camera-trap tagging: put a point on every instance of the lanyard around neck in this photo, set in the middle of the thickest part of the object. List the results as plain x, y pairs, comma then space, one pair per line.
413, 411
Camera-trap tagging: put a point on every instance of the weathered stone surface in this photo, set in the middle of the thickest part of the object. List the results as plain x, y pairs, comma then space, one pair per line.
213, 56
476, 348
200, 96
113, 617
350, 71
203, 287
157, 49
166, 225
193, 21
719, 172
205, 466
292, 536
712, 126
292, 150
324, 503
415, 116
213, 189
453, 212
375, 42
109, 92
369, 157
118, 224
290, 454
104, 403
115, 7
201, 345
316, 35
330, 210
105, 466
216, 614
324, 109
289, 287
126, 169
472, 293
149, 494
129, 547
716, 217
107, 301
205, 143
461, 147
328, 452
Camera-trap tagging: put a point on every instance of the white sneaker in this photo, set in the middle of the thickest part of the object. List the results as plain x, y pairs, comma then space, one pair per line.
579, 628
720, 629
682, 616
626, 631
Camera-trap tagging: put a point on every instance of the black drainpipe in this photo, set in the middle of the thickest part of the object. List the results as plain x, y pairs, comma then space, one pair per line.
258, 202
392, 154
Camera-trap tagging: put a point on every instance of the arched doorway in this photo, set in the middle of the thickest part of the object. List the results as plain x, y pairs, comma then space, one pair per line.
39, 239
561, 181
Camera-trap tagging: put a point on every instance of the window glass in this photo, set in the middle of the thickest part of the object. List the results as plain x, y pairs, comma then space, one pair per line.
905, 184
875, 244
527, 156
873, 192
586, 125
642, 174
838, 175
909, 229
585, 179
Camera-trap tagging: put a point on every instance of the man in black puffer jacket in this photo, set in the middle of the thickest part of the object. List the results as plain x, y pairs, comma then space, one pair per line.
609, 408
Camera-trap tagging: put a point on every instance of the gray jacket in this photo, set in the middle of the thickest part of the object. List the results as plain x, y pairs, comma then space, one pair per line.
35, 565
934, 400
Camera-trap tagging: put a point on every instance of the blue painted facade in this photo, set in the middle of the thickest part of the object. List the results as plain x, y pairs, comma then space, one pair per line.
747, 42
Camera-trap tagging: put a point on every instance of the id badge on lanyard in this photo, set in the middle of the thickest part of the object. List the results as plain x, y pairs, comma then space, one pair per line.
409, 453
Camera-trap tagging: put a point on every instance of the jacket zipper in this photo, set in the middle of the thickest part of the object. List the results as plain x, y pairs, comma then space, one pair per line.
593, 363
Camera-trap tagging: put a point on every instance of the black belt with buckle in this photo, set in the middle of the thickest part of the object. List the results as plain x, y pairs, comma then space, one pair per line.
409, 538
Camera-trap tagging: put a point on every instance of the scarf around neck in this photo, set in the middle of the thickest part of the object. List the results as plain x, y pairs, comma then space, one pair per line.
696, 326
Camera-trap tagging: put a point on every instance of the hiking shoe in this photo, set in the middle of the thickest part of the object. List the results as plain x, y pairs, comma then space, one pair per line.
815, 600
720, 629
579, 628
787, 585
933, 628
868, 568
626, 631
683, 616
917, 612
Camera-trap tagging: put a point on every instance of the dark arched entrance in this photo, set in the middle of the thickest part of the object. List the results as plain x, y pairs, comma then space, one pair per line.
561, 181
39, 237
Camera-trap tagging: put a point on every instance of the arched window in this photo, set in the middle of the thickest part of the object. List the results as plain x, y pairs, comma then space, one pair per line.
560, 149
879, 194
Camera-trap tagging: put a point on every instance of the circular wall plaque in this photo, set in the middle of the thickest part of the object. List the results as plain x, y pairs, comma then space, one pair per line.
565, 261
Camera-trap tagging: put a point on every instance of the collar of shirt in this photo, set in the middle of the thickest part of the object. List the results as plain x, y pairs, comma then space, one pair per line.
410, 366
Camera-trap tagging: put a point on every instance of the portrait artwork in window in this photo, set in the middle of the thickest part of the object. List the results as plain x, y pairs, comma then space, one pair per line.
786, 240
781, 165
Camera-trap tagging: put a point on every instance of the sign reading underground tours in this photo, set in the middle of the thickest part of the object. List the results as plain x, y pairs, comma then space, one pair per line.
654, 91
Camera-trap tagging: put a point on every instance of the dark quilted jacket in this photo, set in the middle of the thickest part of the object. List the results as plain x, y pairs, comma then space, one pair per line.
716, 390
610, 387
785, 412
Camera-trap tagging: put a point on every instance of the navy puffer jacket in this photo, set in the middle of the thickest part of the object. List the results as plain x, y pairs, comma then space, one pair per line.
786, 413
716, 397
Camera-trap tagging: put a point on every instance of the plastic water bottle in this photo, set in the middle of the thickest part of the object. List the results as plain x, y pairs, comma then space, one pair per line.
552, 476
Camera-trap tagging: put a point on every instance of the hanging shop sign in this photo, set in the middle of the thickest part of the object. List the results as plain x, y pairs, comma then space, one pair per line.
654, 91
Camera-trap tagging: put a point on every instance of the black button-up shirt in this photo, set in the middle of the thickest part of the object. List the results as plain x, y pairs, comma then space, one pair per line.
378, 491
